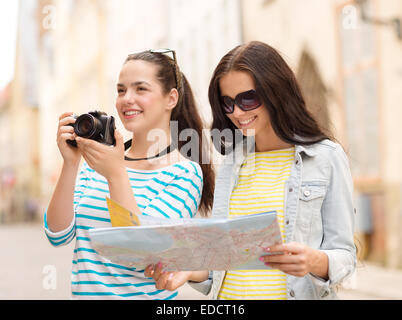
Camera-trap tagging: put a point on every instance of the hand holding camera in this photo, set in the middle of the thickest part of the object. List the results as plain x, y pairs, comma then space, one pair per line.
92, 135
71, 156
95, 125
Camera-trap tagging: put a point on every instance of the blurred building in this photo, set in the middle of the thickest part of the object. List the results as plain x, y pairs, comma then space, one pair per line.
70, 53
19, 131
348, 59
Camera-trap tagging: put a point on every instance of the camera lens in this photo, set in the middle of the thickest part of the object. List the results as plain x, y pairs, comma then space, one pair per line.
87, 126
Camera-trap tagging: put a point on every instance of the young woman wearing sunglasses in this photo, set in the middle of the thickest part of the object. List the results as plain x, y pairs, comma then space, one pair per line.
296, 170
151, 93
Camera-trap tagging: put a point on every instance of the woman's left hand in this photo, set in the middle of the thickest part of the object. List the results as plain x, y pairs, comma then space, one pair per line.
104, 159
296, 259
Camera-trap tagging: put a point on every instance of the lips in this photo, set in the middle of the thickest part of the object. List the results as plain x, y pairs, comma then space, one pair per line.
129, 114
246, 122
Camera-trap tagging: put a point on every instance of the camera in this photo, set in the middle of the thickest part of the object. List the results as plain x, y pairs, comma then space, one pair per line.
94, 125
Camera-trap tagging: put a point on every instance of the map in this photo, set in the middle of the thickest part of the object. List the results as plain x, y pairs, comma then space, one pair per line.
190, 244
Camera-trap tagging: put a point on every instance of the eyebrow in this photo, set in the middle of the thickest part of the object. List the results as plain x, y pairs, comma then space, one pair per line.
134, 84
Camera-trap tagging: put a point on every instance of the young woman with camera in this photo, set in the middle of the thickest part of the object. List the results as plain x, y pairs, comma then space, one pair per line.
295, 169
157, 181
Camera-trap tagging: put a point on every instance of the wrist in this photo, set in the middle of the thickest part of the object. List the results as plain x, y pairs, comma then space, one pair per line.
198, 276
71, 165
319, 264
117, 175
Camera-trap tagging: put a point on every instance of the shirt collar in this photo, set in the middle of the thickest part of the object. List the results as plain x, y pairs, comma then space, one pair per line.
307, 150
248, 145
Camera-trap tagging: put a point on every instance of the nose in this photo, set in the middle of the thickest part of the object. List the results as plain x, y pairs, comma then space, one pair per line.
237, 112
129, 97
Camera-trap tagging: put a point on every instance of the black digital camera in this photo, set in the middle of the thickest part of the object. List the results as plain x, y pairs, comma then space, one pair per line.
94, 125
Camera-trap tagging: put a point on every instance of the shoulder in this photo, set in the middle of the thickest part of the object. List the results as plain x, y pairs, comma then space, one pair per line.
189, 168
327, 154
326, 149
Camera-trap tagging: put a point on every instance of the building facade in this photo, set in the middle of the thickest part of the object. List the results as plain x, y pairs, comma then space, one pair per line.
19, 131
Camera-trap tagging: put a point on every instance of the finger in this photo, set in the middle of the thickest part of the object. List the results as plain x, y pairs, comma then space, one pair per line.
291, 247
66, 136
92, 145
66, 114
162, 281
291, 269
90, 160
176, 280
149, 271
92, 152
119, 138
280, 258
66, 129
66, 121
86, 143
158, 270
89, 147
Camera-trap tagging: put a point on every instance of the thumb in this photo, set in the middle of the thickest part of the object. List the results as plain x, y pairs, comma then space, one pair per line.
119, 139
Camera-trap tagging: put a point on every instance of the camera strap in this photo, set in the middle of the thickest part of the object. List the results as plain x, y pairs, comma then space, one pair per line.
166, 151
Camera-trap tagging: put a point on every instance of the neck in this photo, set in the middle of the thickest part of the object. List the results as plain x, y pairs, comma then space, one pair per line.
143, 146
269, 141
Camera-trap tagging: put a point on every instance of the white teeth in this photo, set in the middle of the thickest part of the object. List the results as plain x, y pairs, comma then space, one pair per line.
132, 113
246, 122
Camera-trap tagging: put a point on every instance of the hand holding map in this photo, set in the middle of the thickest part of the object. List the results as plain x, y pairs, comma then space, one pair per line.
190, 244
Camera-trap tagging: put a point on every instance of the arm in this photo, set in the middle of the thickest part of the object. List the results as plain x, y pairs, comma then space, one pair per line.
60, 212
109, 162
121, 191
338, 220
336, 257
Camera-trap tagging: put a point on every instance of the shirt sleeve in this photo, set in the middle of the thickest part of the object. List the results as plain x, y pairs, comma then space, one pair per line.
181, 196
338, 220
64, 237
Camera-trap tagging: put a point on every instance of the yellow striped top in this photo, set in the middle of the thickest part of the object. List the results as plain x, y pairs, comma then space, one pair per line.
260, 188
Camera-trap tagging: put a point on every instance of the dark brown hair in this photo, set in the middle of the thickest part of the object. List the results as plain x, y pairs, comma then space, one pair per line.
276, 85
187, 116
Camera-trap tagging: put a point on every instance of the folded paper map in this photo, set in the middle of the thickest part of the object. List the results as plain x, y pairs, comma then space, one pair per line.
120, 216
190, 244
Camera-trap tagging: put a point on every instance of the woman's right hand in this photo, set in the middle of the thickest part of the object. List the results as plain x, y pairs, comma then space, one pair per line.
165, 280
70, 154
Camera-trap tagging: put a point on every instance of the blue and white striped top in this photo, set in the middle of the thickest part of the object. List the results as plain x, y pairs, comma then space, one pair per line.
172, 192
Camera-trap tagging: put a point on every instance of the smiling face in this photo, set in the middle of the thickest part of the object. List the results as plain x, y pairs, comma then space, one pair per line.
141, 103
254, 122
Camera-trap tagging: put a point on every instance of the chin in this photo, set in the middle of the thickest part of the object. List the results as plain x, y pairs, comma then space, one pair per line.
248, 132
131, 127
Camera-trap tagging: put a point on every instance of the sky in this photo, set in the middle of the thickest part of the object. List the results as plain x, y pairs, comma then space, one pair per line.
8, 37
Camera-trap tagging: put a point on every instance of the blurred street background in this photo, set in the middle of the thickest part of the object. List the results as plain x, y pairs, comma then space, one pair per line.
65, 55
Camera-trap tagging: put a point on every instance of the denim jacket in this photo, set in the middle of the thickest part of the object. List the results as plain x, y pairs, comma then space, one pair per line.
318, 212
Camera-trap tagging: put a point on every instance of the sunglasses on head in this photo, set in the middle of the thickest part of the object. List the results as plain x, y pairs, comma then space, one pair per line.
165, 51
246, 101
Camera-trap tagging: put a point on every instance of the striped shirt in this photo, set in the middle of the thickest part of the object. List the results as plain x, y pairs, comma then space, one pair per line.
260, 188
172, 192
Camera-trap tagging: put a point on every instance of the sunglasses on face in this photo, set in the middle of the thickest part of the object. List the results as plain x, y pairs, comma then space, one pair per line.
246, 101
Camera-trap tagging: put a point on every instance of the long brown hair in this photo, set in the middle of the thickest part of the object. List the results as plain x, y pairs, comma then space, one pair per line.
186, 116
276, 85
